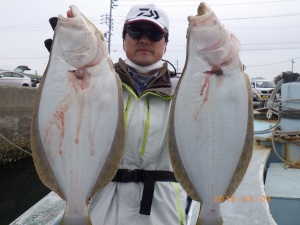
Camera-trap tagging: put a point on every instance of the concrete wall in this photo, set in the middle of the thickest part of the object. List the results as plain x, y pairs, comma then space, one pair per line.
16, 104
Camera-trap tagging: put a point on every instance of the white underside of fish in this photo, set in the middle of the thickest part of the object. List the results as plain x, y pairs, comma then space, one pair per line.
209, 122
210, 133
78, 124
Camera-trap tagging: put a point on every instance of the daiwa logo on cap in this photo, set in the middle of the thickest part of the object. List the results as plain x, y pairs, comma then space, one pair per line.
149, 13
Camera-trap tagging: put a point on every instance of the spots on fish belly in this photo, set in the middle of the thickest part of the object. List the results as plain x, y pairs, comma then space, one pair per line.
60, 122
80, 78
215, 70
205, 85
204, 91
57, 125
80, 81
91, 141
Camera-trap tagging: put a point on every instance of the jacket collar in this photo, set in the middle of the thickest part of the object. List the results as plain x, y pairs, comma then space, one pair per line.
160, 84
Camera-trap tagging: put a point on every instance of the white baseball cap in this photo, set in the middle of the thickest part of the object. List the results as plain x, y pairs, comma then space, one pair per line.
149, 13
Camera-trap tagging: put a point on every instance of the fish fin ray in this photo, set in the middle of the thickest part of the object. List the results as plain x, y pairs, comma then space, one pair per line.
178, 167
246, 155
40, 160
117, 149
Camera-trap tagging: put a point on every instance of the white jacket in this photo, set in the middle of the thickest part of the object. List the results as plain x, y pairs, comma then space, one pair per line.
146, 148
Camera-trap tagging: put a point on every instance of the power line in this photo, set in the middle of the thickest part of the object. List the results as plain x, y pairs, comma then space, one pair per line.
269, 64
45, 26
261, 17
285, 27
242, 44
193, 1
268, 49
184, 3
24, 57
251, 3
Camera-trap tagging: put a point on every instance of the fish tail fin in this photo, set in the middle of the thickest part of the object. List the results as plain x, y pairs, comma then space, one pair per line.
76, 217
210, 216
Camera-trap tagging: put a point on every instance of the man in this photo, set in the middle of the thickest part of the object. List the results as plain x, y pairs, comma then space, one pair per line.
147, 89
144, 190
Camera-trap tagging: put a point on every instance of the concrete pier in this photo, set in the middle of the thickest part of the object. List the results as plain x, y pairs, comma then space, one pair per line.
16, 105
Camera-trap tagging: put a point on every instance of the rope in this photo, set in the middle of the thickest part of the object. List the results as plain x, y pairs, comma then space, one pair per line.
267, 130
285, 136
287, 112
293, 114
271, 104
15, 145
272, 111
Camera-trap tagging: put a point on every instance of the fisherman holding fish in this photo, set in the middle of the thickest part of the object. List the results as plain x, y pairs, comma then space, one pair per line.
144, 189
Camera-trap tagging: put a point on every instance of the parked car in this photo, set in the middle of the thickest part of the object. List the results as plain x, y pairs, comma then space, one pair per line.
14, 78
263, 87
21, 69
261, 90
35, 82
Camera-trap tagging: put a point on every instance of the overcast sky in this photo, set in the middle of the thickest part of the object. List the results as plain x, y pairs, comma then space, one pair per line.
269, 31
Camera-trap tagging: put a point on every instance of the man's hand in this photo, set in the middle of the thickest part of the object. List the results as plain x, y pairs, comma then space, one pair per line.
53, 23
48, 42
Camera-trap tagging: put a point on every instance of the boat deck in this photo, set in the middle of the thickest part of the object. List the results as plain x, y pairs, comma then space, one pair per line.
248, 206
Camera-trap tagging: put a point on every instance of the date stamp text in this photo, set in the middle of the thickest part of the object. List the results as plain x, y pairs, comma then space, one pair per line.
243, 198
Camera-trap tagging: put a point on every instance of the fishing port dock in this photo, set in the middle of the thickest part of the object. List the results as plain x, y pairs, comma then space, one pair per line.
268, 194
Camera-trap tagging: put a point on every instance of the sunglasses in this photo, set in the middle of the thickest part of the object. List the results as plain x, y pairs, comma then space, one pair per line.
137, 33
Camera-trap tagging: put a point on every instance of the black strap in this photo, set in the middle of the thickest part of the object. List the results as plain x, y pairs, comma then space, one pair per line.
146, 202
149, 178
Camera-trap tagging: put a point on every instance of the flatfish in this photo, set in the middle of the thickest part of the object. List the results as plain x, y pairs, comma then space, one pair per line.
211, 121
77, 130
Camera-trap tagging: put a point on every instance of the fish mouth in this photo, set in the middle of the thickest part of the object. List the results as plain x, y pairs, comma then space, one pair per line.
74, 12
203, 9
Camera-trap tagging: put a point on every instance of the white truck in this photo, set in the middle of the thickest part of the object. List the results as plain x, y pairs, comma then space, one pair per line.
263, 87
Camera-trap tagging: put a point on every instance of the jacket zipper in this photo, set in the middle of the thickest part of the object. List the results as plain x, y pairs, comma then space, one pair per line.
146, 130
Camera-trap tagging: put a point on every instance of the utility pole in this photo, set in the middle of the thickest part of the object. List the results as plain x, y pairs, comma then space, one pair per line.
112, 4
292, 64
105, 19
176, 63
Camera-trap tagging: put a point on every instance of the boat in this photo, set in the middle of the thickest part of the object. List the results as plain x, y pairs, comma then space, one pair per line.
269, 192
